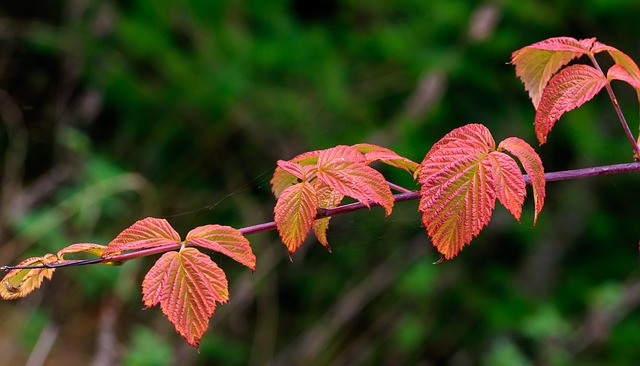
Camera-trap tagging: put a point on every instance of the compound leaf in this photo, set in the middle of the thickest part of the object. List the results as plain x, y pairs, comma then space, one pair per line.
569, 89
294, 214
145, 233
225, 240
532, 165
343, 169
21, 282
537, 63
187, 284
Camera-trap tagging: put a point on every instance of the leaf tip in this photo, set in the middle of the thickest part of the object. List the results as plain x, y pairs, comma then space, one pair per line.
442, 259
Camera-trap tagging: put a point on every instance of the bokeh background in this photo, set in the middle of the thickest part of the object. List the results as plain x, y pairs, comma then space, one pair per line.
114, 111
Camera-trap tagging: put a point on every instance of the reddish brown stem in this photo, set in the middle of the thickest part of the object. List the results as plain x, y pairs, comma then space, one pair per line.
616, 106
326, 212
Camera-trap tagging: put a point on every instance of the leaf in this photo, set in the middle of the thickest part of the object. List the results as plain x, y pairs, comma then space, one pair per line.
377, 153
282, 179
569, 89
145, 233
532, 165
223, 239
622, 60
21, 282
187, 284
299, 171
90, 248
343, 168
458, 190
537, 63
474, 134
510, 186
618, 72
327, 198
294, 214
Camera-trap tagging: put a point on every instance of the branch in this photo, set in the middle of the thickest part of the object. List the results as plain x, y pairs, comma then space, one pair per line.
616, 106
327, 212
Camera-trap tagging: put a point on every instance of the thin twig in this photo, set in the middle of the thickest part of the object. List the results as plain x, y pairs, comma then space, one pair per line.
616, 106
327, 212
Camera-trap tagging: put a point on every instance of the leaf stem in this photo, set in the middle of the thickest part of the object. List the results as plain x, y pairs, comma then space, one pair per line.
616, 106
326, 212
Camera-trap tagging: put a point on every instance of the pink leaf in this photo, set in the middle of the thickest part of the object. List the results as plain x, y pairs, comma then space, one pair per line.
187, 284
146, 233
225, 240
618, 72
327, 198
458, 189
294, 214
377, 153
283, 179
510, 186
90, 248
569, 89
537, 63
532, 165
343, 169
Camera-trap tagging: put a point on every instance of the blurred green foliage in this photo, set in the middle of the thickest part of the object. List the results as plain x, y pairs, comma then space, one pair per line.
180, 109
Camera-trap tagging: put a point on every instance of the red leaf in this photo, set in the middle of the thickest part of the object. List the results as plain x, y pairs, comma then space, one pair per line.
532, 165
461, 177
223, 239
377, 153
327, 198
569, 89
618, 72
476, 135
621, 59
187, 285
282, 179
146, 233
299, 171
458, 193
294, 214
343, 168
21, 282
510, 186
537, 63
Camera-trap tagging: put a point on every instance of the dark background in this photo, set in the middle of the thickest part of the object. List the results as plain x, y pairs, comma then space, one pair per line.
114, 111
